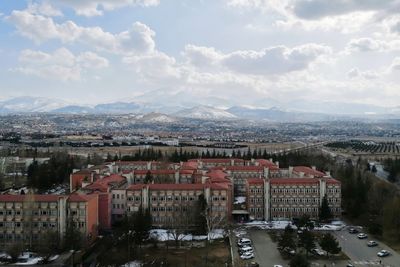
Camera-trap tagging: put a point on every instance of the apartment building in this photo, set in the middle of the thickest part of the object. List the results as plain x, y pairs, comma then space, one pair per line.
169, 204
25, 218
288, 198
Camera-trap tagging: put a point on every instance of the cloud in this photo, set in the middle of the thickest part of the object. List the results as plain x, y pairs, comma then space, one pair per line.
368, 75
91, 8
367, 44
395, 64
62, 64
44, 8
137, 39
269, 61
316, 9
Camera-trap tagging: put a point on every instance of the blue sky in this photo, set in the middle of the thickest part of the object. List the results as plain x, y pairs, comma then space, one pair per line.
221, 53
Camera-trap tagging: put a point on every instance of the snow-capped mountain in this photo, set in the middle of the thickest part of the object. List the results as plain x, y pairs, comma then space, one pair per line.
158, 117
205, 113
30, 104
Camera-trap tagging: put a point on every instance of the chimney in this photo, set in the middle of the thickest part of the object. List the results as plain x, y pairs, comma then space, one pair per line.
301, 174
290, 171
328, 173
314, 168
277, 163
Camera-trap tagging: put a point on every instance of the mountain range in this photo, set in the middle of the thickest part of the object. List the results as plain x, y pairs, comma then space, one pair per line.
159, 112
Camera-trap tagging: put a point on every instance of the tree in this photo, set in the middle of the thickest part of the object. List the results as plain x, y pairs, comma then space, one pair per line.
73, 238
200, 219
299, 261
307, 241
15, 250
304, 222
330, 244
49, 244
325, 213
148, 178
141, 225
287, 239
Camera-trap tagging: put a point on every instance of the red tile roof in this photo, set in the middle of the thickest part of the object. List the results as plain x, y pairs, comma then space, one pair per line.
36, 198
179, 186
155, 172
245, 168
308, 171
80, 198
255, 181
332, 181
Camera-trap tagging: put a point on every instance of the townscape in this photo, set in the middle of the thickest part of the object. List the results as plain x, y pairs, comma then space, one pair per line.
228, 133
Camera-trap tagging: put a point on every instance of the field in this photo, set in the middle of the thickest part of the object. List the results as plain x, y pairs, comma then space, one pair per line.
366, 147
217, 255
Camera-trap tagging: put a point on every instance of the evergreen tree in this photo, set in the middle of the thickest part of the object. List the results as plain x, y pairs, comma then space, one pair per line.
307, 241
200, 218
325, 213
330, 244
287, 238
299, 261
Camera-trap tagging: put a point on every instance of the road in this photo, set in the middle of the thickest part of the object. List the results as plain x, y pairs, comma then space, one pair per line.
361, 255
266, 253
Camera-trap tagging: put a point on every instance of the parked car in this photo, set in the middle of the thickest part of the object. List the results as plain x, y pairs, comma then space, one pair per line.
289, 251
383, 253
362, 236
246, 250
353, 231
349, 265
247, 256
318, 252
253, 264
372, 243
244, 242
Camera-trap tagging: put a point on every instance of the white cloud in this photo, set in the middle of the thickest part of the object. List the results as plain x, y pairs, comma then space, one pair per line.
62, 64
367, 44
395, 64
269, 61
315, 9
44, 8
368, 75
138, 39
91, 8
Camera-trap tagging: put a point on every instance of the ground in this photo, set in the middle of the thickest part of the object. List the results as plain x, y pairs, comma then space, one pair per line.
217, 255
361, 255
266, 252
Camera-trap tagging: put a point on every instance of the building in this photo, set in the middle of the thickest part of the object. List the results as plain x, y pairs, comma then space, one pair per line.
25, 218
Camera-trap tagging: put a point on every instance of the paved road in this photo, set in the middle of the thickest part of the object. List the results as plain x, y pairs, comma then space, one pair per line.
266, 253
361, 255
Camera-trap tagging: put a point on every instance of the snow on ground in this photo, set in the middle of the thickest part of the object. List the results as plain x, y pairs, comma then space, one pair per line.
164, 235
30, 261
132, 264
239, 200
280, 225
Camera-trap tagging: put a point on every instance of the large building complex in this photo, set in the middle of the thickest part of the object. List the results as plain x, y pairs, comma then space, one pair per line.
104, 194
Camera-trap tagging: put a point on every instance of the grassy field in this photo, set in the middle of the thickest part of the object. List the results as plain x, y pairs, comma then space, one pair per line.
216, 254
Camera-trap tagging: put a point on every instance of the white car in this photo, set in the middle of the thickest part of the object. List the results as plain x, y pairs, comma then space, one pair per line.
247, 256
383, 253
319, 252
362, 236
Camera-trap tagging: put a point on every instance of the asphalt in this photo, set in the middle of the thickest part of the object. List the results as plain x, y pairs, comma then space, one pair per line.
362, 255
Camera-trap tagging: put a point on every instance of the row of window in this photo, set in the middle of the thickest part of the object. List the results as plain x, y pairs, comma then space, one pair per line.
295, 190
295, 200
34, 224
52, 212
256, 190
256, 200
255, 210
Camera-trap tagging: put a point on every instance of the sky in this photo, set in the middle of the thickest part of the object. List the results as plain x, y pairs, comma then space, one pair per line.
257, 53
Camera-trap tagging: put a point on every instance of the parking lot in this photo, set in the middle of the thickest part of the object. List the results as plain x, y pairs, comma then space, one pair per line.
362, 255
266, 253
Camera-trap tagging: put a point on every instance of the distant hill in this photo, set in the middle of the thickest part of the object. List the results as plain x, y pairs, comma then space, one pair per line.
205, 113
